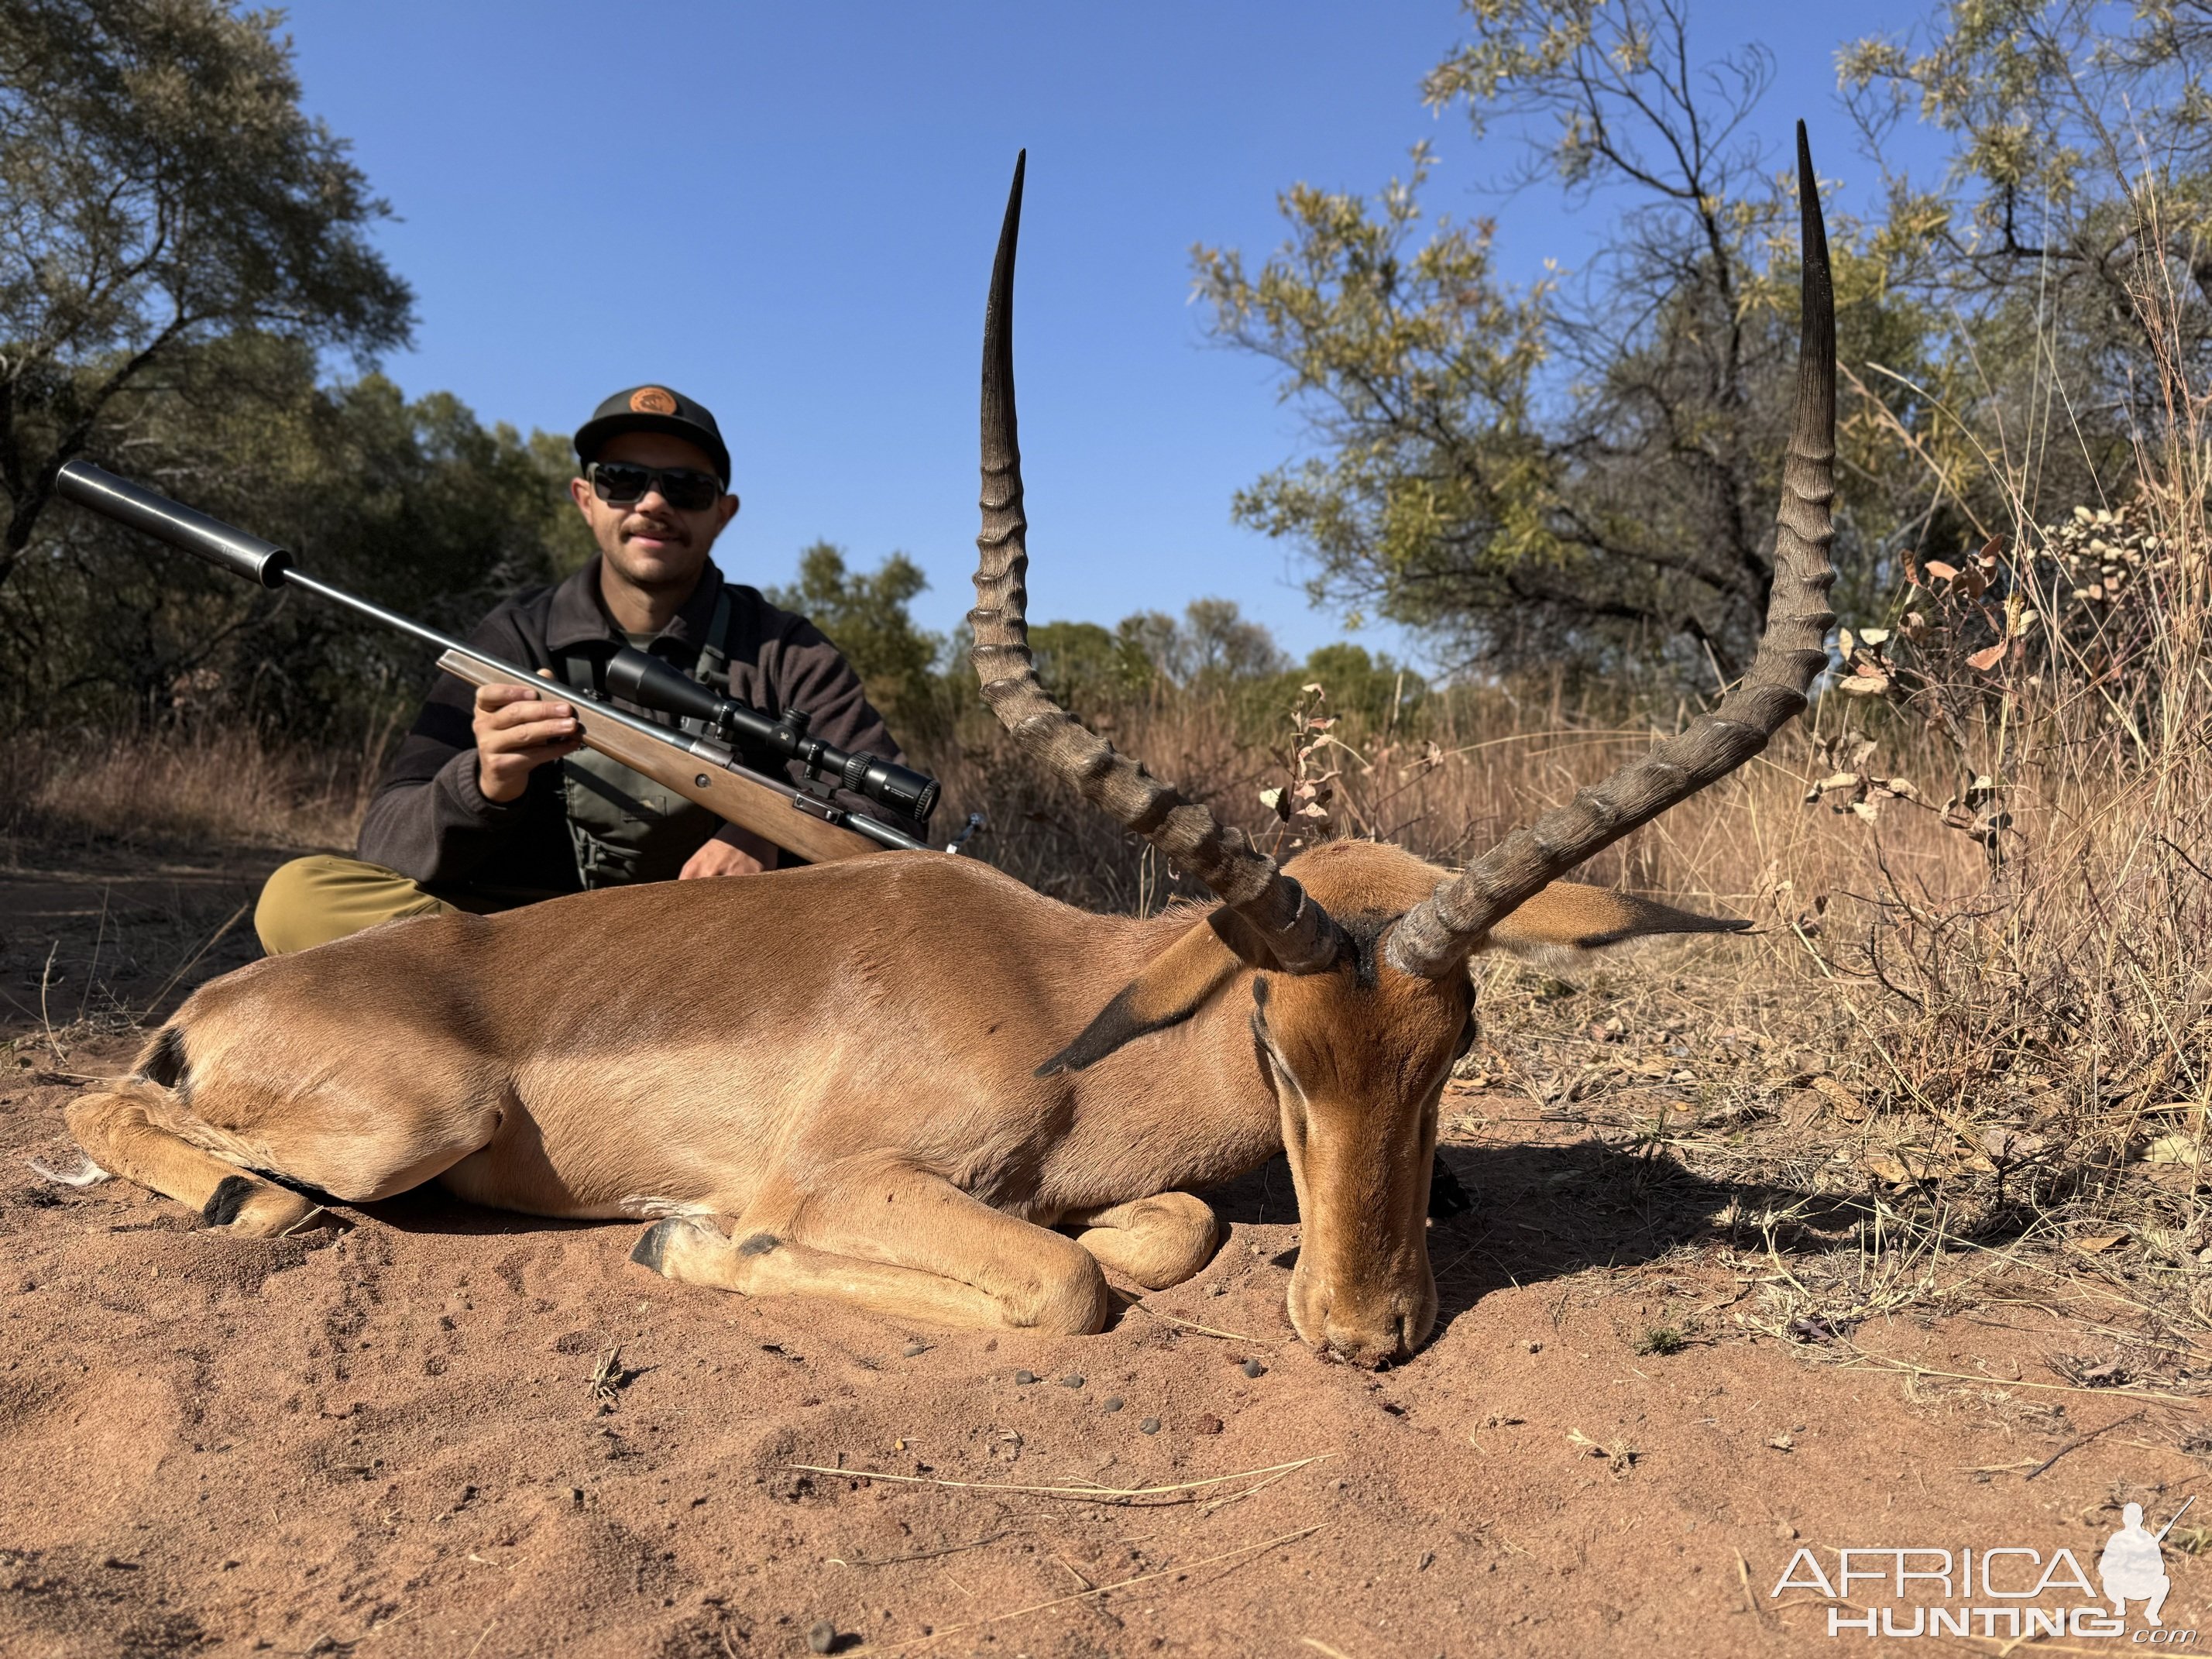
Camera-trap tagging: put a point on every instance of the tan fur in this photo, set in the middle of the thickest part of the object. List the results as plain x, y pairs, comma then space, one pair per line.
868, 1116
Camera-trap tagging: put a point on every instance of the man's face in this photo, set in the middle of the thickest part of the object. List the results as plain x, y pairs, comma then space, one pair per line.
649, 543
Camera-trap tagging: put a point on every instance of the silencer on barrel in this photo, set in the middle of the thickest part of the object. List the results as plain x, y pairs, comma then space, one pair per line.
173, 522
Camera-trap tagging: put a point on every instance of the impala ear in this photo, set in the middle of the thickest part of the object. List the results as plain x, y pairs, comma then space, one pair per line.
1169, 992
1567, 916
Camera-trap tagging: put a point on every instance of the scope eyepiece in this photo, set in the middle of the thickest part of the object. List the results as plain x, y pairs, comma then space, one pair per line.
642, 678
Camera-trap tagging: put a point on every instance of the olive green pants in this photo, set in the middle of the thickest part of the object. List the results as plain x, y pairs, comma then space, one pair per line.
312, 901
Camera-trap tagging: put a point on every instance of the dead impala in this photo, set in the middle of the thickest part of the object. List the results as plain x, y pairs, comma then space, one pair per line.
960, 1100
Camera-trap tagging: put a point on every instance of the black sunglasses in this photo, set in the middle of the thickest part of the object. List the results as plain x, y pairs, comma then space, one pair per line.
686, 488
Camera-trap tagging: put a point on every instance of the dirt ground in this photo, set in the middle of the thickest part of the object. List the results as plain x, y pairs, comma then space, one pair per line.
451, 1432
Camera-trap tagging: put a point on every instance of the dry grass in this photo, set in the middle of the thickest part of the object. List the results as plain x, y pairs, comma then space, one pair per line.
218, 787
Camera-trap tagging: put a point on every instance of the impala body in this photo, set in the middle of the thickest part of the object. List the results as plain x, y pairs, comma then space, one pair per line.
906, 1079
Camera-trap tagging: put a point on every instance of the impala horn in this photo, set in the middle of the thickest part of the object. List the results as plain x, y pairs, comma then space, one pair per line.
1435, 937
1294, 930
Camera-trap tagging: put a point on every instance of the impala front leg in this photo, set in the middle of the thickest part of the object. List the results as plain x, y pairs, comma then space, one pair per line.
1157, 1242
897, 1242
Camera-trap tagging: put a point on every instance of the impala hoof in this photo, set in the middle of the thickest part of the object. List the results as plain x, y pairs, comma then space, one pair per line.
653, 1245
685, 1248
251, 1208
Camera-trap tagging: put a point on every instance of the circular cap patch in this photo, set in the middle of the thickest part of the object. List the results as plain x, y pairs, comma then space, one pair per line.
653, 400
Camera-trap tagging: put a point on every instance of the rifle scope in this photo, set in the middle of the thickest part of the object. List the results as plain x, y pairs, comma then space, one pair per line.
645, 680
648, 681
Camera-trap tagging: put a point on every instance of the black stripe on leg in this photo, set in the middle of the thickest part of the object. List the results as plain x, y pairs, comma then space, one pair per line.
225, 1201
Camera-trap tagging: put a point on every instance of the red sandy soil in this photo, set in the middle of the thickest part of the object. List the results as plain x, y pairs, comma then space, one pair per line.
388, 1441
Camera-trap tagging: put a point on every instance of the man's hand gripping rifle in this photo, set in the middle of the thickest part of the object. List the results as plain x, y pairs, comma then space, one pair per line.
701, 769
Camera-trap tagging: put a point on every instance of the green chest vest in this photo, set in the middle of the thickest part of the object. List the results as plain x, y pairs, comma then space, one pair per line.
625, 827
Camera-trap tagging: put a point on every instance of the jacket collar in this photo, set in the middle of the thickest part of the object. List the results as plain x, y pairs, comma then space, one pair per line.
579, 617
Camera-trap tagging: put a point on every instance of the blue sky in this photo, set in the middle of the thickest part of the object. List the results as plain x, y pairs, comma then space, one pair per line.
788, 212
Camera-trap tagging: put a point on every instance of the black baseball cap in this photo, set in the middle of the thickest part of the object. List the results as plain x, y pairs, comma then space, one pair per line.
653, 409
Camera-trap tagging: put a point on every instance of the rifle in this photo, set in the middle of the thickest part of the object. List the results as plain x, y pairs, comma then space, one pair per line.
704, 769
2178, 1513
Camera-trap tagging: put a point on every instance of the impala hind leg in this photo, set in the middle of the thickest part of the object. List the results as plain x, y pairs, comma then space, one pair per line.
125, 1132
899, 1242
1157, 1241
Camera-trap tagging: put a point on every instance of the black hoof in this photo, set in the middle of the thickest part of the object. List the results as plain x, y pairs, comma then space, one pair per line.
226, 1201
653, 1244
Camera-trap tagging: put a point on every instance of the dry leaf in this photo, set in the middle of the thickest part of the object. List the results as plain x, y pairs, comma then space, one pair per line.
2099, 1243
1861, 685
1846, 1104
2175, 1148
1989, 659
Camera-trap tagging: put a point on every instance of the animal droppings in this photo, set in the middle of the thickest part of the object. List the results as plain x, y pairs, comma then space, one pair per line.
1150, 1426
1024, 1377
823, 1638
1072, 1380
1112, 1402
1253, 1368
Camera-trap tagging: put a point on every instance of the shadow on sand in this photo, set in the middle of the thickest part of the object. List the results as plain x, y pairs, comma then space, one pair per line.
1546, 1212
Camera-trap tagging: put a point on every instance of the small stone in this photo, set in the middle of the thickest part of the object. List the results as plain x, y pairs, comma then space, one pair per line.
1223, 1289
1533, 1348
1150, 1426
1072, 1380
823, 1638
914, 1348
1253, 1368
1025, 1377
1112, 1402
1784, 1531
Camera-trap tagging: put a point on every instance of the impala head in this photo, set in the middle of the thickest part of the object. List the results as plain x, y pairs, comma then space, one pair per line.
1354, 957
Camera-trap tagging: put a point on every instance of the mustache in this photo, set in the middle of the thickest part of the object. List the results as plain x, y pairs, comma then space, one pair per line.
665, 530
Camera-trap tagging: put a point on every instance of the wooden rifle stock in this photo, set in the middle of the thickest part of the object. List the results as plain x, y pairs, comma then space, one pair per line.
744, 798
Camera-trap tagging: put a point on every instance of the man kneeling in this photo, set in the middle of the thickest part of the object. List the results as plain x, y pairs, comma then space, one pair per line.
474, 814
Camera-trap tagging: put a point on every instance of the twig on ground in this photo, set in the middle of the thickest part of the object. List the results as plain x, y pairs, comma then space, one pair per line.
2079, 1441
1906, 1367
1205, 1330
924, 1555
1125, 1495
46, 978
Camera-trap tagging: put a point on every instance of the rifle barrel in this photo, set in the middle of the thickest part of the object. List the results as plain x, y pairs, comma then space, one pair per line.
270, 565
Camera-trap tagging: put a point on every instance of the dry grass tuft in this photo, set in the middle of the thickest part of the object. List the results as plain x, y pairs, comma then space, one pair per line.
223, 787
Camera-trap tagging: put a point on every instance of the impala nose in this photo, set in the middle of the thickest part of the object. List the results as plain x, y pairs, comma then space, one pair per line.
1372, 1348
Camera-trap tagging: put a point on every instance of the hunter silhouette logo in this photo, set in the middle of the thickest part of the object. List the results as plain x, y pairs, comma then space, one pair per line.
652, 400
2133, 1565
1998, 1591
